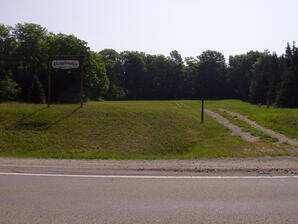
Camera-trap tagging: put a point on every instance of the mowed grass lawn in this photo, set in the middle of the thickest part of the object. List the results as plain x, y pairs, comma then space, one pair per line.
282, 120
121, 130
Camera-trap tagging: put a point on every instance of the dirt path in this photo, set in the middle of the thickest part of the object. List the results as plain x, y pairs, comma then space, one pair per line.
235, 129
281, 138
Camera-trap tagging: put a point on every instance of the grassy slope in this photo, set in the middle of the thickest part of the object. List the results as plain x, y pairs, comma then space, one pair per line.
139, 129
281, 120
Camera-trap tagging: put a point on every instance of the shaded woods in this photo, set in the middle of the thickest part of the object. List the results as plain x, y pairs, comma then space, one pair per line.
257, 77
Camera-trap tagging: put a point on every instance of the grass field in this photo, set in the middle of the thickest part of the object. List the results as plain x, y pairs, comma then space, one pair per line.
127, 130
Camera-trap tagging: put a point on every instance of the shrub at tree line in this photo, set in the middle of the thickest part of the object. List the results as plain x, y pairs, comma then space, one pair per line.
257, 77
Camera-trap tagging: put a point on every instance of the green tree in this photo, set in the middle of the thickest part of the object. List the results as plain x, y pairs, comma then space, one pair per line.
287, 95
158, 71
134, 69
95, 79
177, 79
9, 89
114, 70
212, 75
116, 93
36, 92
30, 54
239, 74
62, 44
192, 78
265, 80
7, 48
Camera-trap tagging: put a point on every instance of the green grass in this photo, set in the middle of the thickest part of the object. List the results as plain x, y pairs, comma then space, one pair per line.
120, 130
282, 120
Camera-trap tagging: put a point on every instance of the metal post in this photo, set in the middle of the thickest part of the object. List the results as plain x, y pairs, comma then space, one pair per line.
202, 111
49, 84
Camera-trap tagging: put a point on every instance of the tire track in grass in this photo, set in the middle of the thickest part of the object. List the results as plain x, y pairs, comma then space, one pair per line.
281, 138
235, 129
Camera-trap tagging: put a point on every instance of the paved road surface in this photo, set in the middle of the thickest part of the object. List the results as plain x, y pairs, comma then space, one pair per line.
64, 199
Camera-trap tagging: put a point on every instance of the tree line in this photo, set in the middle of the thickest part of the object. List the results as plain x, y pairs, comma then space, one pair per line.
257, 77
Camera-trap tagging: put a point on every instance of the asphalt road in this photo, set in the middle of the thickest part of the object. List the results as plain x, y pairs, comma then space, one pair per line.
65, 199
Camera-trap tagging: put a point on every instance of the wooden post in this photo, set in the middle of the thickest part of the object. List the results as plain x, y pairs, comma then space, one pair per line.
81, 89
202, 111
49, 84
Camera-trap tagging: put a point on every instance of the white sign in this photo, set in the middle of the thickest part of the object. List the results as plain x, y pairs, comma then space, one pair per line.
65, 64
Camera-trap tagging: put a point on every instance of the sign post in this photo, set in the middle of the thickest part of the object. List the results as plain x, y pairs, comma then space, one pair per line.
65, 62
202, 111
49, 85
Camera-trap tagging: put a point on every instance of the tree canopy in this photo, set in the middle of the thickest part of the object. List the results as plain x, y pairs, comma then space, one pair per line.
258, 77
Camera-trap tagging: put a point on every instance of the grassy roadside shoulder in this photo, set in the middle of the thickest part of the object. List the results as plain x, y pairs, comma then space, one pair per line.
119, 130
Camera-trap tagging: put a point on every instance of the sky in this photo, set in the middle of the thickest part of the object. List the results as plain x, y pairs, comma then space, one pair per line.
160, 26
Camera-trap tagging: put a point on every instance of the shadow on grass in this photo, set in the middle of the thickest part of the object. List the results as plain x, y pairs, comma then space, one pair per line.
22, 121
24, 124
61, 119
